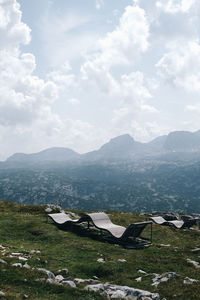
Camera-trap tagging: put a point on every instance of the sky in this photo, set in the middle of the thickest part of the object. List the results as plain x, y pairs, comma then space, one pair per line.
77, 73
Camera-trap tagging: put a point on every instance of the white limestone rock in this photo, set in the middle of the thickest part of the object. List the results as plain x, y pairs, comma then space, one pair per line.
163, 278
122, 260
124, 292
69, 283
194, 263
101, 260
2, 261
17, 265
139, 279
59, 278
2, 294
26, 266
22, 258
142, 272
49, 274
188, 280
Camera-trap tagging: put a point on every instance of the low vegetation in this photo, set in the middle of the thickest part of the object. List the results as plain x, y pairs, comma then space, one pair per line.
25, 228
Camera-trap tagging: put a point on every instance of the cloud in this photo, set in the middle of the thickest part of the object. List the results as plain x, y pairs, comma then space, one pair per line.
123, 45
13, 31
99, 4
24, 97
181, 65
176, 6
62, 33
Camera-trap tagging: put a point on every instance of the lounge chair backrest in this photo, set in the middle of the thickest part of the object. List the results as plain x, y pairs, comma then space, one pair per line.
134, 230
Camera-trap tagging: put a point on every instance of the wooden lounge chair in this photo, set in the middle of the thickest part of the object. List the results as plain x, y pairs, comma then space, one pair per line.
132, 233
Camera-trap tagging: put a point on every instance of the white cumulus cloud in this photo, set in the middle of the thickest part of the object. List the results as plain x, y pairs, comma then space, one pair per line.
181, 65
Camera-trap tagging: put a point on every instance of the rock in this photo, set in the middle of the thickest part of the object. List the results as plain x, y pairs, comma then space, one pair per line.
124, 292
26, 266
69, 283
188, 280
63, 272
86, 281
48, 210
2, 294
17, 265
2, 261
196, 250
35, 252
25, 296
163, 278
194, 263
121, 260
142, 272
22, 258
139, 279
118, 294
59, 278
49, 274
164, 245
16, 253
101, 260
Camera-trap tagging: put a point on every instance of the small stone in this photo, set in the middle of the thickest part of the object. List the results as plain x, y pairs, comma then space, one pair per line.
142, 272
194, 263
48, 210
2, 261
17, 265
2, 294
139, 279
101, 260
26, 266
16, 253
25, 296
22, 258
69, 283
35, 252
121, 260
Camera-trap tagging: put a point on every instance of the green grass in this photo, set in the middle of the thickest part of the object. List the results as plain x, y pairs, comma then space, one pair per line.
24, 228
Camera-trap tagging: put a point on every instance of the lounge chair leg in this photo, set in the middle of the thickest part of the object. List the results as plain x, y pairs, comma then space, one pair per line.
151, 232
88, 225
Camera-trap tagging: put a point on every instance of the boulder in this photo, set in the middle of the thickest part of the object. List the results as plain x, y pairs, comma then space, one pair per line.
49, 274
123, 292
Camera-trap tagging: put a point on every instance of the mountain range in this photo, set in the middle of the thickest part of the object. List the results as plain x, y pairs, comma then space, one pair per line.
123, 147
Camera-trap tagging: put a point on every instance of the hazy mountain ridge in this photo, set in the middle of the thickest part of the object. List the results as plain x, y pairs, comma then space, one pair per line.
122, 147
123, 175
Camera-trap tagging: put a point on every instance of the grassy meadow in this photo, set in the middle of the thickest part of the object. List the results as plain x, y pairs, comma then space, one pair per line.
25, 228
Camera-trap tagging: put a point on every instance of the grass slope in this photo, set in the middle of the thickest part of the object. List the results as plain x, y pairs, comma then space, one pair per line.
24, 228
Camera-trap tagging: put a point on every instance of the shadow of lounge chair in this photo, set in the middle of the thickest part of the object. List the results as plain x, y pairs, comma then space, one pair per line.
125, 236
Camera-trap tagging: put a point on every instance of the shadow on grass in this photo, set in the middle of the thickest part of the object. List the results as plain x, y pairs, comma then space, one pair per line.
103, 236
